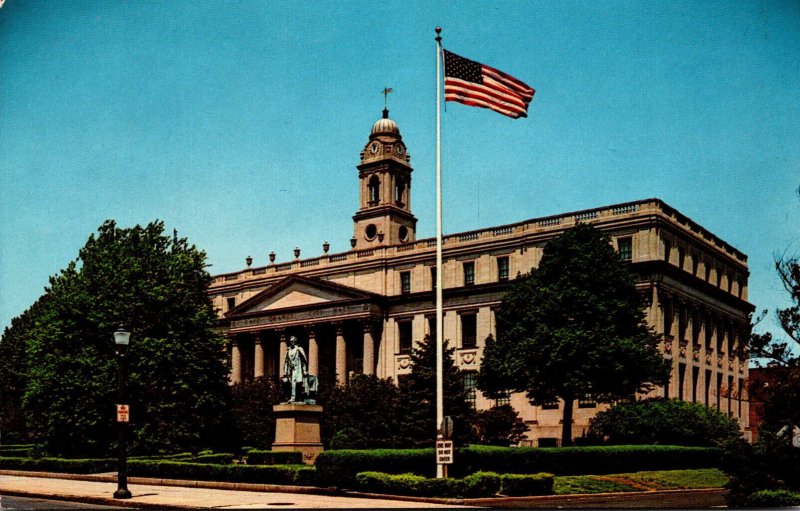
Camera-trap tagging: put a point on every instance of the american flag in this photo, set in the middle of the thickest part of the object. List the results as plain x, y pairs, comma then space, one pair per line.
475, 84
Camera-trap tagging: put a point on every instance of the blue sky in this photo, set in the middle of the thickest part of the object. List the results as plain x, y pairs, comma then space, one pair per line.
240, 122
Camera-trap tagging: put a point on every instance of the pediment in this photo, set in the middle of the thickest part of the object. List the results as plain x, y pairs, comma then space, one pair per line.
293, 292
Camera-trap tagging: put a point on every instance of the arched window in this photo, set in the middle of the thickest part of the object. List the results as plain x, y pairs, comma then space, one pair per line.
374, 190
399, 189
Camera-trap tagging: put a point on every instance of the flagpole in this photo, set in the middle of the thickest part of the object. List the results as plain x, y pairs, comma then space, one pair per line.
440, 468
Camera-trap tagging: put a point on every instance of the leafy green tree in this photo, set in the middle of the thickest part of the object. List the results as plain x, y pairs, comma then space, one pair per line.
154, 285
251, 407
662, 421
418, 397
500, 425
14, 373
574, 326
362, 413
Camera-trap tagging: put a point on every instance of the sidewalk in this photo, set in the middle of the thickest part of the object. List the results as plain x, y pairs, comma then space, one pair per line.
177, 494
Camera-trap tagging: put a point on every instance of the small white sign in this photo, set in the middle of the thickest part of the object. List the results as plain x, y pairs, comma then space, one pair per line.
444, 452
123, 413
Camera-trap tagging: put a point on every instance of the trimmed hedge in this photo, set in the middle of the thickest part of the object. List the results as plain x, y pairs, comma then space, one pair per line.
15, 453
259, 457
267, 474
70, 466
594, 460
772, 498
520, 485
477, 485
339, 468
216, 459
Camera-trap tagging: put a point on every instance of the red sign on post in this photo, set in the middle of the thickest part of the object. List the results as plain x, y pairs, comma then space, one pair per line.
123, 413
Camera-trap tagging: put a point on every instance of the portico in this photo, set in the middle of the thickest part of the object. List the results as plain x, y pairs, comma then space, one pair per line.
338, 327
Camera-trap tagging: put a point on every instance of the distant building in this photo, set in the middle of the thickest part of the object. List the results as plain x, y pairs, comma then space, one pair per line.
363, 310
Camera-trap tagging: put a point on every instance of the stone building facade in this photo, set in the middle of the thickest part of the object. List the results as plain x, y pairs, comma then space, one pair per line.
363, 310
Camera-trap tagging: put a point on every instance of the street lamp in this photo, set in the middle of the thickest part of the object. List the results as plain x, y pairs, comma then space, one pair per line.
121, 339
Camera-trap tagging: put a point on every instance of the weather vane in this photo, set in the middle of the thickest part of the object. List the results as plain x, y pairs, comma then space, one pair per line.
386, 92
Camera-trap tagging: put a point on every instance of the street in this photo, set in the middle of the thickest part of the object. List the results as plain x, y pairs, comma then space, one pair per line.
10, 502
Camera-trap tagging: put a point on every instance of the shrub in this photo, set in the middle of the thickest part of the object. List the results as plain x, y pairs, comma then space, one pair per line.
772, 498
499, 425
481, 484
339, 468
258, 457
416, 485
348, 438
70, 466
219, 459
269, 474
14, 453
526, 484
662, 421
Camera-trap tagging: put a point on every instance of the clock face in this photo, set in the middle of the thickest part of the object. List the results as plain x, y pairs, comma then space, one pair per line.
399, 150
373, 148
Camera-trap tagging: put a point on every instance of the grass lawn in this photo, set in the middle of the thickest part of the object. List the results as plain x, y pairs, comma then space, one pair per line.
641, 481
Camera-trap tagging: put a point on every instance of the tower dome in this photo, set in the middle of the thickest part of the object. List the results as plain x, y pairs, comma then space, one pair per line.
385, 125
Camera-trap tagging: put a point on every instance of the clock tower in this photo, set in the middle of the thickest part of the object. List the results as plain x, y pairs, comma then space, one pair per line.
384, 216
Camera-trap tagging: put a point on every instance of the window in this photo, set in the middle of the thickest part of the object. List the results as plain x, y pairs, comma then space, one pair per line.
469, 273
399, 188
374, 190
470, 384
469, 327
503, 399
502, 269
625, 248
404, 336
405, 282
730, 395
695, 378
550, 405
719, 391
433, 278
708, 385
231, 303
432, 327
587, 401
681, 378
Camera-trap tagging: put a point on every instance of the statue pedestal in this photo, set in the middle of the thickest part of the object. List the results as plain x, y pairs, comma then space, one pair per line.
297, 429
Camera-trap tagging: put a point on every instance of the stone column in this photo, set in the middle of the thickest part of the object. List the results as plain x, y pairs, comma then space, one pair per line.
341, 356
236, 362
282, 356
258, 369
369, 349
313, 352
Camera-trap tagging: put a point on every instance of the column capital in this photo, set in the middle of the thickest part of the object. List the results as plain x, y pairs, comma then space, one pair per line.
311, 330
338, 326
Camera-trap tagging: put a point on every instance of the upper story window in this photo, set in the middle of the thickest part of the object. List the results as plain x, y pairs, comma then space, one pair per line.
502, 269
374, 190
469, 273
469, 330
625, 248
587, 401
432, 326
405, 282
550, 405
433, 278
404, 336
399, 189
231, 302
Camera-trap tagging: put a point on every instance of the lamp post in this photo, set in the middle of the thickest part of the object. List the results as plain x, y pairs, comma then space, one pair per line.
121, 338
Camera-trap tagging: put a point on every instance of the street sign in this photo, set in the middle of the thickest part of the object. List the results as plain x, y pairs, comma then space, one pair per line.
123, 413
444, 452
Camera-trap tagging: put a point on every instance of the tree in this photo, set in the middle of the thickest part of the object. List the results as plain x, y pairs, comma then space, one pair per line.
251, 405
154, 285
573, 327
500, 425
364, 412
418, 397
663, 421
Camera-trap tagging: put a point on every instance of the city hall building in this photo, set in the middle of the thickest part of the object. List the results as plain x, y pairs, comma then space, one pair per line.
362, 311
